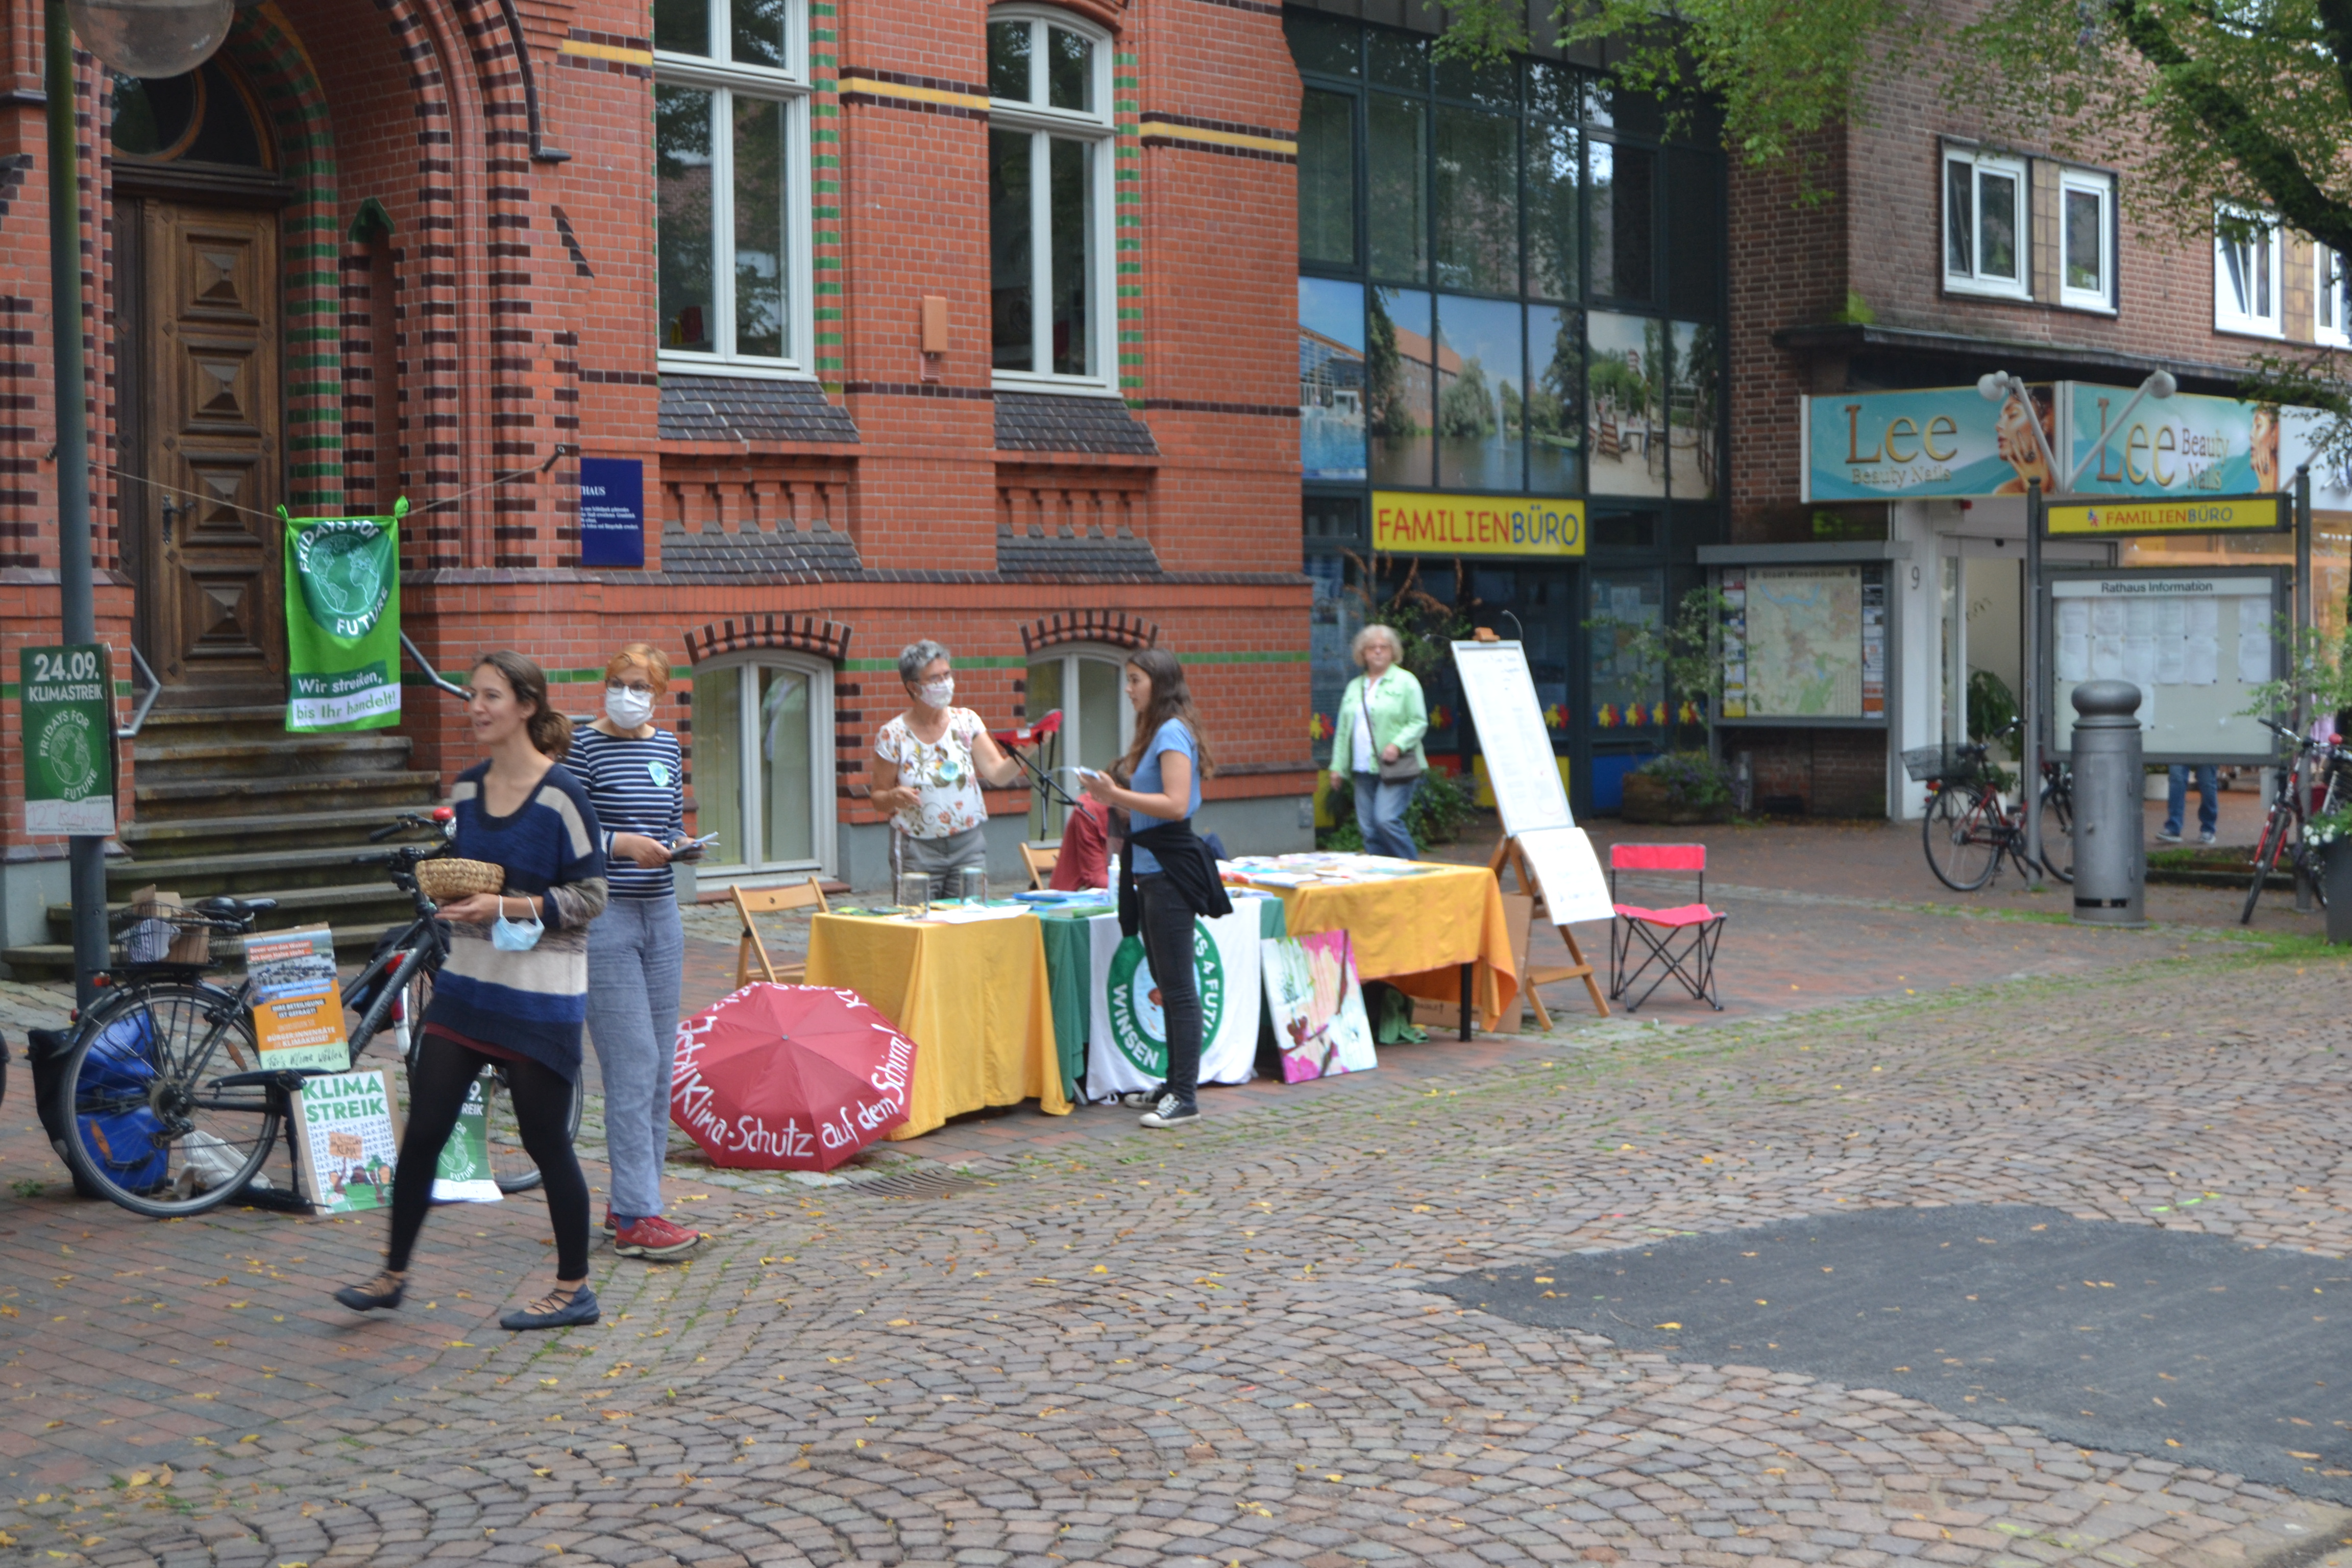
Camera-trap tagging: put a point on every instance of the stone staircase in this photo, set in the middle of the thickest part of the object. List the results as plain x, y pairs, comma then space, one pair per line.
227, 801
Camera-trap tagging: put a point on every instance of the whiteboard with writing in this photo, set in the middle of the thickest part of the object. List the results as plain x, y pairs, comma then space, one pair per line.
1563, 862
1521, 767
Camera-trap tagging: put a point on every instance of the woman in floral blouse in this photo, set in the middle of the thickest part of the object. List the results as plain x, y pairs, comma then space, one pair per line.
930, 763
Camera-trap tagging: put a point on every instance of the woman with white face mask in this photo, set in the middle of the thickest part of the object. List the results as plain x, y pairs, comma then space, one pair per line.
636, 949
930, 763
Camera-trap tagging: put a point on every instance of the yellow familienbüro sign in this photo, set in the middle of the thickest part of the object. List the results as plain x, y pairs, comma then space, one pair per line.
2127, 515
1417, 522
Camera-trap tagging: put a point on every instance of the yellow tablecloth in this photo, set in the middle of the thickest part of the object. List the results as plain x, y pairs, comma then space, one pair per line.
1416, 933
973, 998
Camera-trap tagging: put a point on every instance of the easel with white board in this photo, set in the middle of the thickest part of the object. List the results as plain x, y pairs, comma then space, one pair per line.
1540, 840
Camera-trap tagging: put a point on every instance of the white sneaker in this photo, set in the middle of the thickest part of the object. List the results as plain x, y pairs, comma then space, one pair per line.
2166, 836
1171, 1112
2205, 837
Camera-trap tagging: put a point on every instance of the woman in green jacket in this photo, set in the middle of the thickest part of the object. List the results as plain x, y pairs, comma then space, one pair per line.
1378, 740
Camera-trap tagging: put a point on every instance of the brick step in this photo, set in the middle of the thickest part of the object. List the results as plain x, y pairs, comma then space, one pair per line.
202, 756
302, 795
153, 840
54, 960
355, 910
252, 873
165, 725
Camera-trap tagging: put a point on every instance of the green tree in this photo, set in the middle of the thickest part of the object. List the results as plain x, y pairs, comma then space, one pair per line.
1387, 411
1465, 410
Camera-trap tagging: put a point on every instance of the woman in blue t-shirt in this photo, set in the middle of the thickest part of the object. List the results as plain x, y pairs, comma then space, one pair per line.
1164, 766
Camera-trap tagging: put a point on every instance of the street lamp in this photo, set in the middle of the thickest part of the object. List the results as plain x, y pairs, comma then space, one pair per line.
144, 38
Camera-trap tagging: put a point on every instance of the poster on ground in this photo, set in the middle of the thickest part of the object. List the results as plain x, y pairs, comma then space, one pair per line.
463, 1175
298, 1012
1317, 1006
346, 1140
342, 621
1127, 1036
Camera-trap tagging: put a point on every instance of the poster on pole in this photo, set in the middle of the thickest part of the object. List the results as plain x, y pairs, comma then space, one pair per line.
1517, 748
66, 706
342, 621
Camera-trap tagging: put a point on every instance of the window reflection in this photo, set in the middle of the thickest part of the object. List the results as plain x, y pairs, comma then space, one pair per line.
1400, 387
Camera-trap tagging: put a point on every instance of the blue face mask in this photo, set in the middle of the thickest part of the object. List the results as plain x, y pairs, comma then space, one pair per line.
514, 936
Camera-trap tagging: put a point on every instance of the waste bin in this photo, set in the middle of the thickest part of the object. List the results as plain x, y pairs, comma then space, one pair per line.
2110, 822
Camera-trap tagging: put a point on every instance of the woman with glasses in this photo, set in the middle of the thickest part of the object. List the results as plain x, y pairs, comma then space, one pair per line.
636, 949
930, 763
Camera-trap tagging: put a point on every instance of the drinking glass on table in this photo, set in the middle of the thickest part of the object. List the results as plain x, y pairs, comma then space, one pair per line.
973, 885
915, 892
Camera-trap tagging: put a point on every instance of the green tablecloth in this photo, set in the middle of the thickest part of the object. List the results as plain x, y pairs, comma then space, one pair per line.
1069, 970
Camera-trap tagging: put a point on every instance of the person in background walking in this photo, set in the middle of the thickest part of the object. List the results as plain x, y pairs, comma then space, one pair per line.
930, 763
1376, 738
1168, 876
636, 949
2209, 803
515, 986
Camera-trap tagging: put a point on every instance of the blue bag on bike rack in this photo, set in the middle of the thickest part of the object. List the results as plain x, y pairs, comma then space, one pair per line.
122, 1063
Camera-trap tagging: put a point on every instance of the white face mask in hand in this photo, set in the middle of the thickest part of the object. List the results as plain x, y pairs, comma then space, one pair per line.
937, 693
626, 708
515, 936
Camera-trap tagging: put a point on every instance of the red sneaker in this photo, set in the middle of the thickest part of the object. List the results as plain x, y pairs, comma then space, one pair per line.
656, 1238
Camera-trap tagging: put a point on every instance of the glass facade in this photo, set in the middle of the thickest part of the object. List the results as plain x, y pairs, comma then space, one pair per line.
1511, 282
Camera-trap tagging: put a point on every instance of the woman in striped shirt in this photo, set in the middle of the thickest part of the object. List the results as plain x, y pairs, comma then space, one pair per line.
515, 986
636, 950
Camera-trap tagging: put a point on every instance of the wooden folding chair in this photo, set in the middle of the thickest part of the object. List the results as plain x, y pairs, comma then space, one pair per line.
750, 901
1041, 864
1679, 942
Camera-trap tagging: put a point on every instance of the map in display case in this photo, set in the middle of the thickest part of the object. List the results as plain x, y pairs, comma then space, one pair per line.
1804, 642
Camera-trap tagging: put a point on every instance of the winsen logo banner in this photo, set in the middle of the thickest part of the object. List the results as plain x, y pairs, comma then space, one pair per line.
342, 621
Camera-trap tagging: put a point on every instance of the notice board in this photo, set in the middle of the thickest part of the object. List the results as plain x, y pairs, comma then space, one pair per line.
2197, 644
1501, 694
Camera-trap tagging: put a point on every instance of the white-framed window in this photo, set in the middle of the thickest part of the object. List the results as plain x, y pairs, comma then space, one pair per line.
2247, 293
1051, 322
2086, 240
732, 189
762, 764
2331, 297
1085, 682
1985, 225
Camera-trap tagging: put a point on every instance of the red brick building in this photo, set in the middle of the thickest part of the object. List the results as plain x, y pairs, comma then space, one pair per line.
922, 319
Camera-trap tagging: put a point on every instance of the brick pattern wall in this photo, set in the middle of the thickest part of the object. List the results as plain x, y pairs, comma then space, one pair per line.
1834, 773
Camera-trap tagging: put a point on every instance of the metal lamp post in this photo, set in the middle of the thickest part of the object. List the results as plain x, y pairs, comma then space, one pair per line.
142, 38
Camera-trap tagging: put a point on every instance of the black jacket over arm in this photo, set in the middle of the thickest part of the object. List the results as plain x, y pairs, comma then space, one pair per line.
1184, 861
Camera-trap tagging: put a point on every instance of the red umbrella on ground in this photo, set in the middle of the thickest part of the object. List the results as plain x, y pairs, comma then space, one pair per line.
789, 1077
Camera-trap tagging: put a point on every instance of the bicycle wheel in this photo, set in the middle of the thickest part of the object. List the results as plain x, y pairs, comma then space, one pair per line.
2266, 855
511, 1165
1963, 849
151, 1127
2058, 831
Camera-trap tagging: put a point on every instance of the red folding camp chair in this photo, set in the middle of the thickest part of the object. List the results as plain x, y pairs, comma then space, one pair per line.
1679, 942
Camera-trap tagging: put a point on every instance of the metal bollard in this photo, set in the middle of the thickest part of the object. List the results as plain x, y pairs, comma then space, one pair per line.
2110, 821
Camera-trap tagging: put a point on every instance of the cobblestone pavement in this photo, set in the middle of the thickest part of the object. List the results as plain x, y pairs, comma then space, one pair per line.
1218, 1347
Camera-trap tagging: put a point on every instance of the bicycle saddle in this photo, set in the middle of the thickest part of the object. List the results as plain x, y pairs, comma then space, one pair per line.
232, 908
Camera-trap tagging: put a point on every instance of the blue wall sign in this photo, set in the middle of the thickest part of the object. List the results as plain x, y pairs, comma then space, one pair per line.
612, 511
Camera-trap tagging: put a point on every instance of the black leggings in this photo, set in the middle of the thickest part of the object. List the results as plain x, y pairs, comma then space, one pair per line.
1165, 925
542, 1112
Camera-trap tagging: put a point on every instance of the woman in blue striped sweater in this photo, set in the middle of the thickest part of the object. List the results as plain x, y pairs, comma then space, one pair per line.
515, 987
636, 950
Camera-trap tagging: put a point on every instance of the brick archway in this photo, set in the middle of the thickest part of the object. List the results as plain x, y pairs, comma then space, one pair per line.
1114, 629
810, 635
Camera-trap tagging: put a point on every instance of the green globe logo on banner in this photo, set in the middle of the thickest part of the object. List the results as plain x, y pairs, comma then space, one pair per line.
345, 564
67, 751
1137, 1024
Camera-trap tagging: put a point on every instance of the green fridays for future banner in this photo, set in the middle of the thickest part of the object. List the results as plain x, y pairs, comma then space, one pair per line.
342, 621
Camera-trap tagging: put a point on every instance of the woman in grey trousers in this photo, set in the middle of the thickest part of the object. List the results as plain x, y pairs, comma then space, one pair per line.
637, 948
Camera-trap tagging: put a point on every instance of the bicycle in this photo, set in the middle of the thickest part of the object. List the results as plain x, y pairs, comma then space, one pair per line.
1968, 828
162, 1103
2283, 826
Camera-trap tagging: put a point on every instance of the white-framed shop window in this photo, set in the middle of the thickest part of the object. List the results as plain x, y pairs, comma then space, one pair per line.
2086, 240
1985, 224
1085, 683
2331, 297
1052, 325
2247, 293
762, 764
730, 184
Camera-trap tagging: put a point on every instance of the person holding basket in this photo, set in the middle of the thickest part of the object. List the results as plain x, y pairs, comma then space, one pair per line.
514, 988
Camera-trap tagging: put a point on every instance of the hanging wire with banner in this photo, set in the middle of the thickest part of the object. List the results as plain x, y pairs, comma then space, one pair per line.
342, 621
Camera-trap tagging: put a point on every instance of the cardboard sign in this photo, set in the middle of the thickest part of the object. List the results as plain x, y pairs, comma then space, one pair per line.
346, 1140
67, 697
298, 1012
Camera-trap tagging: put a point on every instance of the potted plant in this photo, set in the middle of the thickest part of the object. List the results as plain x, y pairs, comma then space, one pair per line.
2330, 837
1677, 787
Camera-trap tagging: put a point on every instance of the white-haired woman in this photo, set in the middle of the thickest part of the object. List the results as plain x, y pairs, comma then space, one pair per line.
1378, 742
929, 764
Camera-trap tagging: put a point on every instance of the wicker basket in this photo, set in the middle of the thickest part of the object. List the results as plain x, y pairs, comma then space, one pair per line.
444, 879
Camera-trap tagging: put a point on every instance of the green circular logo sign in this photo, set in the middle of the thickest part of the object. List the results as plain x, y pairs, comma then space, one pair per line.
1138, 1026
345, 566
70, 751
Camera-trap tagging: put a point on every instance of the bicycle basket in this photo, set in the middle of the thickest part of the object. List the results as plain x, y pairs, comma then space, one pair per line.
162, 933
1943, 763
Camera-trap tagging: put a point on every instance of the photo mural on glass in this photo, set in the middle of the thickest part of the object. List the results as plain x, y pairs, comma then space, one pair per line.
1555, 400
1330, 379
1696, 419
1400, 388
1626, 377
1482, 403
